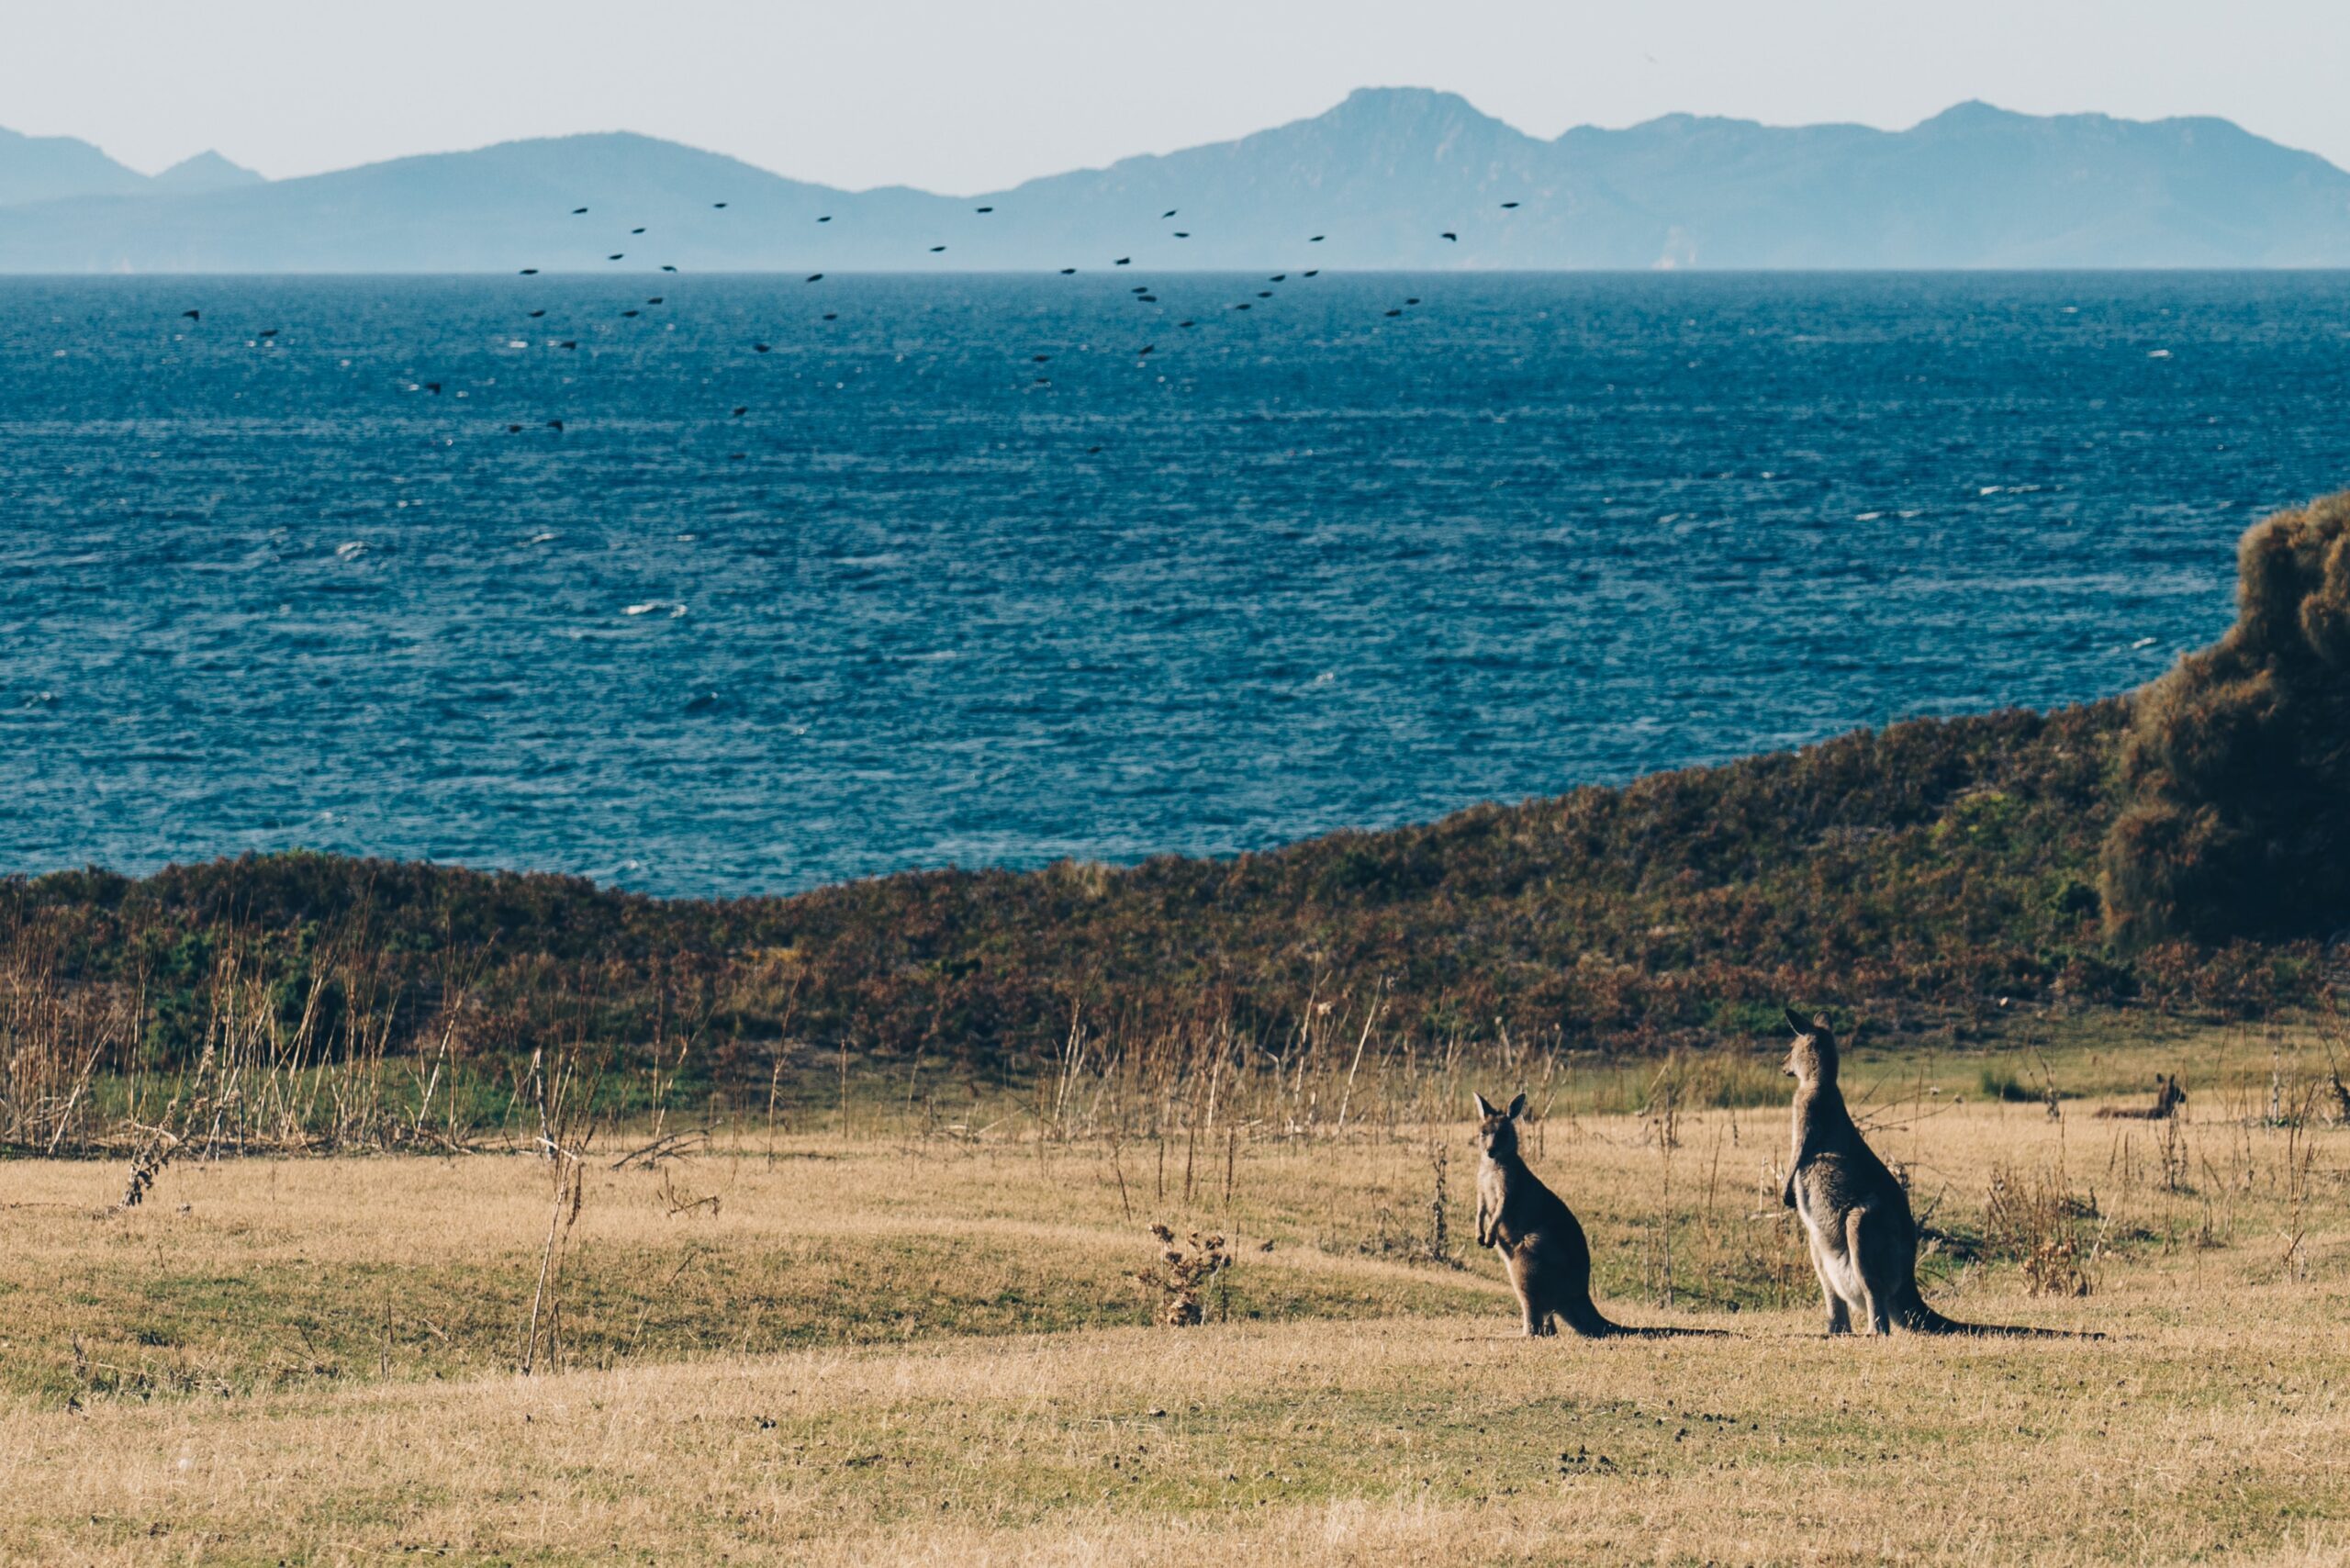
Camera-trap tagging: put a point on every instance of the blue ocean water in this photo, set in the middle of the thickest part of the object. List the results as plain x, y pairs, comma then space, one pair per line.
934, 600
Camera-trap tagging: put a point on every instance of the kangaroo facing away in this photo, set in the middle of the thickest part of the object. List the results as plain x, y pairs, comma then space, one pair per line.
1542, 1247
1864, 1241
2168, 1098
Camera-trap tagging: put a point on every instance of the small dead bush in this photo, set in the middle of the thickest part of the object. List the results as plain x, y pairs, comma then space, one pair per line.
2036, 1219
1185, 1274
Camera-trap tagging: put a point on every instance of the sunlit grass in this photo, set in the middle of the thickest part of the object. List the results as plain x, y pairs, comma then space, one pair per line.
878, 1347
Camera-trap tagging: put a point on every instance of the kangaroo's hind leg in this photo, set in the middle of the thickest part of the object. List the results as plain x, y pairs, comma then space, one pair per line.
1840, 1318
1875, 1238
1525, 1280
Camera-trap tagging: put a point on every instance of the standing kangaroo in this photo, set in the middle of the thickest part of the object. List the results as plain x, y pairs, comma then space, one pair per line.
1542, 1247
2168, 1098
1864, 1241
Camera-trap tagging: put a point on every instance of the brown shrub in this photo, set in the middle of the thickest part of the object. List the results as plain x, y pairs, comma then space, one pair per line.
2236, 768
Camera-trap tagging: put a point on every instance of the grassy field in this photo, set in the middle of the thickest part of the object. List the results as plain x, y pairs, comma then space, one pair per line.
869, 1345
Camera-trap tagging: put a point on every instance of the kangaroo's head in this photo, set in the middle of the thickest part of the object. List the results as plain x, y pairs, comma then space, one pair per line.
2169, 1096
1497, 1130
1811, 1060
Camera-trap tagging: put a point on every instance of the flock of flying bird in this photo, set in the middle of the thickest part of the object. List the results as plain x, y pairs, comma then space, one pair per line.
1145, 294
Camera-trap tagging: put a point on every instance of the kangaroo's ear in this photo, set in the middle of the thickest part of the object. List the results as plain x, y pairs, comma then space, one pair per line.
1485, 1107
1820, 1024
1517, 1106
1795, 1021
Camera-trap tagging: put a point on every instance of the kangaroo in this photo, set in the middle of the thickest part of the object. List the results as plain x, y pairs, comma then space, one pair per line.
1864, 1241
1542, 1247
2168, 1098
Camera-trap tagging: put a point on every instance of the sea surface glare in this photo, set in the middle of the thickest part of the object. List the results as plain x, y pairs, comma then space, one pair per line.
1303, 567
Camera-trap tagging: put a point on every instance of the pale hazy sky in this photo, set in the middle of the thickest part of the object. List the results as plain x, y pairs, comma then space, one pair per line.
969, 94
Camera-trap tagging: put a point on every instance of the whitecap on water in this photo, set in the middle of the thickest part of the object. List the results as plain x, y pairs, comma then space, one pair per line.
350, 550
650, 605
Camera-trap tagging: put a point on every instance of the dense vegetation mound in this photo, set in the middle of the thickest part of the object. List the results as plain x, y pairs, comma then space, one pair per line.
1923, 873
2237, 768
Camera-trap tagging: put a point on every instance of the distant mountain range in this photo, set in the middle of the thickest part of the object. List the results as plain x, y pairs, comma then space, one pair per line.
1391, 177
58, 168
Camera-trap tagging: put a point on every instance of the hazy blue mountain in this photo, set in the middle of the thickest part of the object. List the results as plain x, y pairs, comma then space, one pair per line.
1975, 186
1383, 175
46, 168
205, 171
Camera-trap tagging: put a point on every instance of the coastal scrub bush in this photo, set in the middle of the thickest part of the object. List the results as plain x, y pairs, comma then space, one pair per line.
2235, 770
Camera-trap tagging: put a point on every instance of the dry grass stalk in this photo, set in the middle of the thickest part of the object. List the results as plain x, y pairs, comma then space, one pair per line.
565, 1107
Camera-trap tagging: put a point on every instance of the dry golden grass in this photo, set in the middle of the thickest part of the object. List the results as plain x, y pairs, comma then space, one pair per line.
880, 1350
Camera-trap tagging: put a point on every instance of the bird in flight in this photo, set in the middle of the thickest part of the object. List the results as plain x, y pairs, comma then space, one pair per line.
636, 231
1451, 236
1168, 214
555, 424
1123, 262
1317, 239
740, 411
578, 210
816, 277
529, 271
536, 314
718, 204
193, 315
983, 209
616, 255
666, 268
935, 249
826, 218
1507, 205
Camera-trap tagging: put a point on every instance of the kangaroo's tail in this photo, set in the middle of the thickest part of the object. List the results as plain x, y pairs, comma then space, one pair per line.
1915, 1316
1584, 1318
